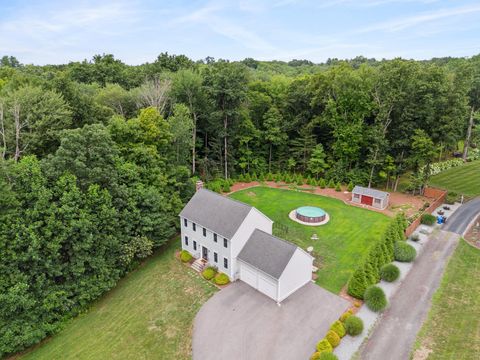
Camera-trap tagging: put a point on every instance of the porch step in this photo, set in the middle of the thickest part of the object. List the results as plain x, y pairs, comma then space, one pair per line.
198, 265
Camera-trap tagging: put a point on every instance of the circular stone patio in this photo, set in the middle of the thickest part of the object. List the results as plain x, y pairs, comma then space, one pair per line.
292, 216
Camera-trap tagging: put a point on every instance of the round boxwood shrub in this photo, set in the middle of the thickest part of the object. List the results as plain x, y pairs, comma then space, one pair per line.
389, 272
185, 256
315, 356
375, 298
354, 325
414, 237
221, 279
209, 273
338, 327
346, 315
333, 338
324, 346
404, 252
428, 219
327, 356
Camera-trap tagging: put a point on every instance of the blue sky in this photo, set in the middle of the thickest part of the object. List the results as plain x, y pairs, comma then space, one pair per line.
136, 31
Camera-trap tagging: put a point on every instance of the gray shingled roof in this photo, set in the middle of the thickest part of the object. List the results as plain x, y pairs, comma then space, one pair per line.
370, 192
217, 213
267, 253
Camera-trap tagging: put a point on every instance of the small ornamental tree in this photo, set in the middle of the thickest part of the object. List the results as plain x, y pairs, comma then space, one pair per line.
350, 187
357, 283
331, 184
338, 187
322, 183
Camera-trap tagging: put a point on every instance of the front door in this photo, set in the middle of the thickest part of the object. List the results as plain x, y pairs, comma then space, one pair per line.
204, 253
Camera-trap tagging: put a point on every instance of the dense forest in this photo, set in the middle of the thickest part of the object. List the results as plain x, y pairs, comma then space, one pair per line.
98, 157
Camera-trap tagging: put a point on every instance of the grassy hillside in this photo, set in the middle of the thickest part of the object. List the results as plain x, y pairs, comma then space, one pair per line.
452, 330
464, 179
342, 242
147, 316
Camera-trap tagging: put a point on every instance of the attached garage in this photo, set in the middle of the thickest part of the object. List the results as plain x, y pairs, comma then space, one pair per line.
370, 197
273, 266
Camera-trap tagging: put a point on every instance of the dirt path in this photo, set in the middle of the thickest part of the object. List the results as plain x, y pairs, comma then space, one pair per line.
394, 336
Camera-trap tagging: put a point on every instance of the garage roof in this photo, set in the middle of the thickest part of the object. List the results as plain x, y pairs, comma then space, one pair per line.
370, 192
215, 212
267, 253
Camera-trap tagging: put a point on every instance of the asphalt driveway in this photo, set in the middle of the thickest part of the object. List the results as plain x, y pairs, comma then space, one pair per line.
461, 218
243, 324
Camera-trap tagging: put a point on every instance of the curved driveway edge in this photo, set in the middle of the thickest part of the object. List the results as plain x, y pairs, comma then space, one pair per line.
463, 217
241, 323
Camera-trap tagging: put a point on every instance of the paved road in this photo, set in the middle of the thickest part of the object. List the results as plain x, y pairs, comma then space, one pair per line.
395, 334
461, 218
243, 324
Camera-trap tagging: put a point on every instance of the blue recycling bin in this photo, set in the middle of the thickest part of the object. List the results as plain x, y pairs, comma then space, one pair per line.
439, 219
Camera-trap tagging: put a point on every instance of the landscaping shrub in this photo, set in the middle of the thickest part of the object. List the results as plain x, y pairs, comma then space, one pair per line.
226, 187
354, 325
185, 256
315, 356
209, 273
322, 183
451, 197
327, 356
350, 186
415, 237
248, 178
333, 338
346, 315
338, 327
375, 298
428, 219
324, 346
404, 252
221, 279
389, 272
338, 187
357, 283
331, 184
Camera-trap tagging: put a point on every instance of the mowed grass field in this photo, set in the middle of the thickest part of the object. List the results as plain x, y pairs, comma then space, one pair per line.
452, 330
148, 315
463, 179
342, 242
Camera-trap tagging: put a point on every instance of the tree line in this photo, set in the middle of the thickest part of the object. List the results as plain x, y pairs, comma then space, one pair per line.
98, 157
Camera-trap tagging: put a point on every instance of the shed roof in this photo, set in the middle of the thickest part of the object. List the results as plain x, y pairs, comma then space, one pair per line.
370, 192
215, 212
267, 253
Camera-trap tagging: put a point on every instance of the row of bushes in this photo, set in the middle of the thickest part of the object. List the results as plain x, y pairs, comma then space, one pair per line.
210, 273
438, 167
382, 253
347, 324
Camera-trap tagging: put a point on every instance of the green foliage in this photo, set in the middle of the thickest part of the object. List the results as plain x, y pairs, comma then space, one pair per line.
185, 256
338, 187
375, 298
315, 356
389, 272
209, 273
221, 279
358, 283
354, 325
322, 183
346, 315
404, 252
333, 338
327, 356
338, 327
451, 197
350, 186
324, 346
331, 184
428, 219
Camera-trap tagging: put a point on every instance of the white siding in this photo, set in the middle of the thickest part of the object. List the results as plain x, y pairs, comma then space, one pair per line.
258, 280
297, 273
254, 220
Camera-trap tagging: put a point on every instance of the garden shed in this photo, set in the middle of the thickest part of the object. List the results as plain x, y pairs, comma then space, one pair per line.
371, 197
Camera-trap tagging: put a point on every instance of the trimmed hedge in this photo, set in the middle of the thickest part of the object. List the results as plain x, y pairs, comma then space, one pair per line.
428, 219
404, 252
221, 279
333, 338
389, 272
375, 298
354, 325
209, 273
346, 315
324, 346
185, 256
338, 327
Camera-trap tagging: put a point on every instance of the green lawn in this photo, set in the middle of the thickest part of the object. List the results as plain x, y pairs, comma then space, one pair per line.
148, 315
452, 330
463, 179
342, 242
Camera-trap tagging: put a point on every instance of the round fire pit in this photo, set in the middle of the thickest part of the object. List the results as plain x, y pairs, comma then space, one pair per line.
310, 214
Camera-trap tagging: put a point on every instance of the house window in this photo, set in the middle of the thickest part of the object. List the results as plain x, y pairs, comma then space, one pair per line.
356, 196
204, 232
186, 240
215, 237
225, 242
194, 226
225, 263
194, 245
377, 201
215, 257
185, 222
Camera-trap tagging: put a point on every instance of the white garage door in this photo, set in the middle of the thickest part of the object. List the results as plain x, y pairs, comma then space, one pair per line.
258, 281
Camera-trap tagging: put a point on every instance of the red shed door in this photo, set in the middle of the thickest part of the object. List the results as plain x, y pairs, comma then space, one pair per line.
367, 200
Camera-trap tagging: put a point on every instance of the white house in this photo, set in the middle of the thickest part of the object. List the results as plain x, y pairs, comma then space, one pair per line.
236, 238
